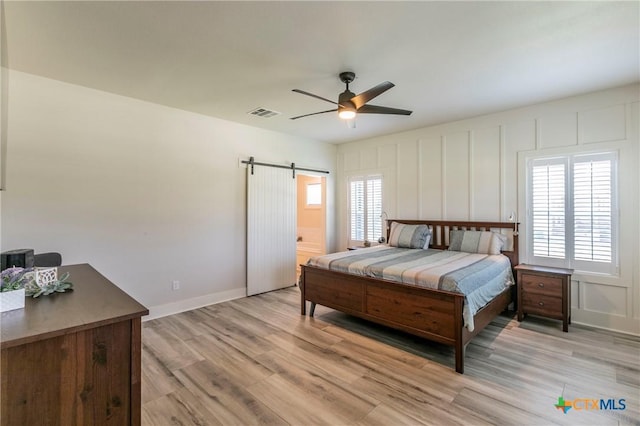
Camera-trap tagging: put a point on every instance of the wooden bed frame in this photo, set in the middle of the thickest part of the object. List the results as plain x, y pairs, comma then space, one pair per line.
433, 314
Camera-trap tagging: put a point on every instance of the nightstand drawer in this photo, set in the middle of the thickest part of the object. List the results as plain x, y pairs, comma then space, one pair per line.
539, 284
542, 305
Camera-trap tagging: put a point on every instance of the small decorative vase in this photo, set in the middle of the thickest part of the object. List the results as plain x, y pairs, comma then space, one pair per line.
45, 276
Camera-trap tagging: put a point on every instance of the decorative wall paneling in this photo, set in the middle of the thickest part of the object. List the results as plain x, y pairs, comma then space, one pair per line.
602, 124
430, 191
475, 170
456, 183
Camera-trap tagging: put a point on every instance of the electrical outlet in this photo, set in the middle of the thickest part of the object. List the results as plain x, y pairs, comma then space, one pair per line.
175, 285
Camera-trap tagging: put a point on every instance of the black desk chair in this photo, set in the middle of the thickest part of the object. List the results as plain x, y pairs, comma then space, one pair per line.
47, 259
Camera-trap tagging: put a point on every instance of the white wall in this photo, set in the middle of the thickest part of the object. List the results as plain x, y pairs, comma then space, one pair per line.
145, 193
474, 170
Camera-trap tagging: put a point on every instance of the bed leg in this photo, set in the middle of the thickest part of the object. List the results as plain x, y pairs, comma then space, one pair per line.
303, 301
312, 309
459, 349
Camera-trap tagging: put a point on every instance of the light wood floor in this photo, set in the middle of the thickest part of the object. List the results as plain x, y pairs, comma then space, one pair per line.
257, 361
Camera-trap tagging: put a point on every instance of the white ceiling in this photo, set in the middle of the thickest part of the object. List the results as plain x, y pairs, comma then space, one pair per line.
448, 60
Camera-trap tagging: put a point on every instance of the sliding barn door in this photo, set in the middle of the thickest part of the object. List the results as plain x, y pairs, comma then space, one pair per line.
271, 229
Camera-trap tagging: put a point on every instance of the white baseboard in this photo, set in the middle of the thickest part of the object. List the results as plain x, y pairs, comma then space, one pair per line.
194, 303
607, 322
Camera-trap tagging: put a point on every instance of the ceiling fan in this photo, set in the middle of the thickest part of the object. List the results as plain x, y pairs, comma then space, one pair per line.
349, 104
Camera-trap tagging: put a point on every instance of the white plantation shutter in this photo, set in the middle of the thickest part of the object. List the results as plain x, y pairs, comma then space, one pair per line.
548, 208
572, 205
357, 210
593, 210
365, 208
374, 209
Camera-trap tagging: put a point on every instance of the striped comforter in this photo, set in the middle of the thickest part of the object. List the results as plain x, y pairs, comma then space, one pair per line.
480, 277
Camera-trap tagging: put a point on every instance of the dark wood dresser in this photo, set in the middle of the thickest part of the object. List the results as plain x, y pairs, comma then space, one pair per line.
73, 358
544, 291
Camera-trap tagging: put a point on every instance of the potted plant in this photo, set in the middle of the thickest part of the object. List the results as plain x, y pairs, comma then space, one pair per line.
12, 292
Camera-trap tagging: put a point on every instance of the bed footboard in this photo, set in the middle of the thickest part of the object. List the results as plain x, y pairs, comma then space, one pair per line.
433, 314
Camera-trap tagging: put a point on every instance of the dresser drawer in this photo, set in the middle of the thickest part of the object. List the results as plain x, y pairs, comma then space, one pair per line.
538, 284
541, 304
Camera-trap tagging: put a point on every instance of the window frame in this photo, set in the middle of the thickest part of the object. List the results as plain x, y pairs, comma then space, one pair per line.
307, 193
367, 214
569, 260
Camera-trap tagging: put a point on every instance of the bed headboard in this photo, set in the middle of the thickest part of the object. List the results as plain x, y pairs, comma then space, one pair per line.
440, 233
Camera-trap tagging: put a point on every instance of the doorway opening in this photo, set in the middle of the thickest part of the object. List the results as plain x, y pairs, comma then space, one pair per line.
311, 218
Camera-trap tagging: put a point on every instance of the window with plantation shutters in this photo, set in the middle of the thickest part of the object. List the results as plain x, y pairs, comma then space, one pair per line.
571, 205
365, 208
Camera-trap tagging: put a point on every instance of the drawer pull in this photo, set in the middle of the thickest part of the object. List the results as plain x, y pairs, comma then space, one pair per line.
540, 285
541, 303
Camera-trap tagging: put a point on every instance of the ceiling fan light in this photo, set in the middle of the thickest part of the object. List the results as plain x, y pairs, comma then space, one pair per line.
347, 114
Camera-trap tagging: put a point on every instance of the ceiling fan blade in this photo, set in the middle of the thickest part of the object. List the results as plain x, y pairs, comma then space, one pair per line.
364, 97
375, 109
313, 113
314, 96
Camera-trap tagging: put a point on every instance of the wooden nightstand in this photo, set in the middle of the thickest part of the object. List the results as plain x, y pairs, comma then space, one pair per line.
544, 291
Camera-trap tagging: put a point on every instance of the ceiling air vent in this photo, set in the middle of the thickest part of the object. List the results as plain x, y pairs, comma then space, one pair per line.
263, 112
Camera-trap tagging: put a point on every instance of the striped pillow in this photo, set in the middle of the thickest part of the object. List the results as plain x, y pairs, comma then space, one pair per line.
484, 242
409, 236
